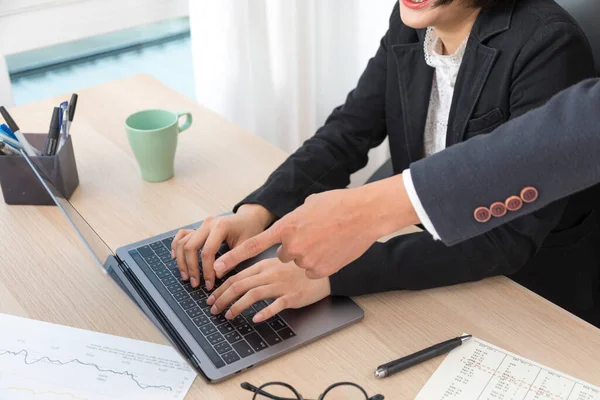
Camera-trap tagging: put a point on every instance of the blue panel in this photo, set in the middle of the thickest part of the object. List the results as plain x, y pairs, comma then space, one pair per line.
150, 60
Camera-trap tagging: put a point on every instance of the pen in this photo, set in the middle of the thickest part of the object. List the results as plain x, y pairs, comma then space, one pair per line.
53, 132
15, 144
15, 128
62, 120
7, 150
71, 112
6, 130
62, 123
417, 358
62, 107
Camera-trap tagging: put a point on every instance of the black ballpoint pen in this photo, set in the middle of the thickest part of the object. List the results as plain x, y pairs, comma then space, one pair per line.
71, 115
417, 358
53, 132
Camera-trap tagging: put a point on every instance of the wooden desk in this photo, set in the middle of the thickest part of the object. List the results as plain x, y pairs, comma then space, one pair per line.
217, 164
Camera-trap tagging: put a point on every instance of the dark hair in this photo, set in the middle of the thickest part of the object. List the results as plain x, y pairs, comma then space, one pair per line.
477, 3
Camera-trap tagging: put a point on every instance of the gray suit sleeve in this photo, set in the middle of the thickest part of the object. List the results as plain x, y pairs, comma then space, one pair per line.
555, 148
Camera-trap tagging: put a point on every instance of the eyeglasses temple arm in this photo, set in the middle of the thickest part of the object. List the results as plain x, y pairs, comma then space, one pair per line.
254, 389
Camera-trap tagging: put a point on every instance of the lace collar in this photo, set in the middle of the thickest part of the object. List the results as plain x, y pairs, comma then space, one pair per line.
433, 51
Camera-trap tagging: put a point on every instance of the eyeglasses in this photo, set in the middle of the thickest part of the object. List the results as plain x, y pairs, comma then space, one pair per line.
283, 391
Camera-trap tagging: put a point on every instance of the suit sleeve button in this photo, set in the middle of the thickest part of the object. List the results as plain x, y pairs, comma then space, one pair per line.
498, 209
482, 215
529, 194
514, 203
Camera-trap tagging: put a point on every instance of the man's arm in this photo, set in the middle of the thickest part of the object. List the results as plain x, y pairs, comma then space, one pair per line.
555, 149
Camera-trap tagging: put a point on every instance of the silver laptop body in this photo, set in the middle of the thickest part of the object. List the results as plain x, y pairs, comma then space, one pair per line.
214, 349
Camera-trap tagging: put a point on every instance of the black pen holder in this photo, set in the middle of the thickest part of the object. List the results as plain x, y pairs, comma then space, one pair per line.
19, 184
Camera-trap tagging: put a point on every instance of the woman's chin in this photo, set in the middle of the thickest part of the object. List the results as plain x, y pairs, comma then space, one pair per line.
416, 18
415, 23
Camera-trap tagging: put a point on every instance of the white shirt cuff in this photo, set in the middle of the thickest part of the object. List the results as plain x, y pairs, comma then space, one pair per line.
416, 203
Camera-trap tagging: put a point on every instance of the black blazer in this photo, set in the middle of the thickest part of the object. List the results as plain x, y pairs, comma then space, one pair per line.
516, 58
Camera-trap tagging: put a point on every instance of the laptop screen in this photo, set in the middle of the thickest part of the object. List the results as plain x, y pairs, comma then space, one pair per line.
100, 250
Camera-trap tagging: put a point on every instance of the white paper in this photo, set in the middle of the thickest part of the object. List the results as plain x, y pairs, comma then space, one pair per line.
39, 360
478, 370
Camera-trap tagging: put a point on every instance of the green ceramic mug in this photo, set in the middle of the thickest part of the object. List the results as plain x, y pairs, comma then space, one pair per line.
153, 138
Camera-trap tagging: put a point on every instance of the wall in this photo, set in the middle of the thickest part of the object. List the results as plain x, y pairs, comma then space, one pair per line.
30, 24
33, 24
278, 68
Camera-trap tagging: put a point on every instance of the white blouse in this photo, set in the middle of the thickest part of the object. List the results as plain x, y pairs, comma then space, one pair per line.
442, 91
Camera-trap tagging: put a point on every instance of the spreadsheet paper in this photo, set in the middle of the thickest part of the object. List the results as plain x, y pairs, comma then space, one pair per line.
478, 371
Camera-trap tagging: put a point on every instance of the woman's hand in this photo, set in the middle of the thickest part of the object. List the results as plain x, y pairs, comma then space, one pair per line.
250, 220
268, 279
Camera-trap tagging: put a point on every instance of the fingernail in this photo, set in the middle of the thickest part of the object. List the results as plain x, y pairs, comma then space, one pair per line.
229, 315
258, 318
211, 300
214, 310
193, 282
219, 266
209, 285
172, 253
184, 276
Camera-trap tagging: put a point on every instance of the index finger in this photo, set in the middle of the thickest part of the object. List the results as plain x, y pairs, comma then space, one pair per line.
248, 249
180, 235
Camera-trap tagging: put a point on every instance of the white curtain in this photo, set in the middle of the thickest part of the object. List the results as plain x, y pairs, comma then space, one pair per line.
5, 90
278, 67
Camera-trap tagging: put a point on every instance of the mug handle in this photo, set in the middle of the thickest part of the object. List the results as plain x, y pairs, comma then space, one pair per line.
187, 123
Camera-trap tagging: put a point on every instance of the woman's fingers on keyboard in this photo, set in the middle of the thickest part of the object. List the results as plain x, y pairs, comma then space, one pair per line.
236, 290
191, 249
253, 270
275, 308
180, 235
218, 234
261, 290
179, 254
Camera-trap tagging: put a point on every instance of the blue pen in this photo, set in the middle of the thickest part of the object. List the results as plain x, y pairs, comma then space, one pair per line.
63, 120
8, 132
63, 107
29, 149
10, 139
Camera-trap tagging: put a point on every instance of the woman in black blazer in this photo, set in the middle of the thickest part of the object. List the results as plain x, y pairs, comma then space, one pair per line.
516, 55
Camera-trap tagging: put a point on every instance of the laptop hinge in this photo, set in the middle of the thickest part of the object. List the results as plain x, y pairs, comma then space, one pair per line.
121, 262
126, 279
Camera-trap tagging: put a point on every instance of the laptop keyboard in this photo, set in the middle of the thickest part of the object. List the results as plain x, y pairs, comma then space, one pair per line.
223, 341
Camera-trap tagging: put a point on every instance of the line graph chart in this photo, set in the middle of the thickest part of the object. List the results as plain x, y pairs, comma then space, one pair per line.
39, 360
59, 362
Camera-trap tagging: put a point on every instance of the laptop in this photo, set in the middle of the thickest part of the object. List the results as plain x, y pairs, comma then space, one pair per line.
214, 347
